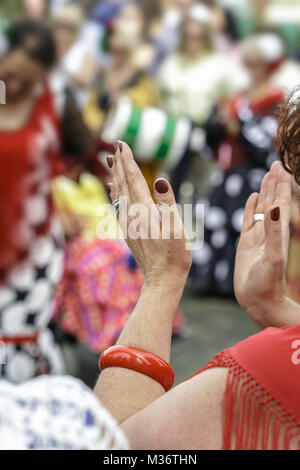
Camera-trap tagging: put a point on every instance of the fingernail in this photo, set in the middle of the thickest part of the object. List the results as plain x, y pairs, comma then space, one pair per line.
275, 214
110, 162
116, 146
121, 147
108, 189
161, 186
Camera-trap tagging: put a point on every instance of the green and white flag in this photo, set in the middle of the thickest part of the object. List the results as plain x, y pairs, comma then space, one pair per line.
153, 136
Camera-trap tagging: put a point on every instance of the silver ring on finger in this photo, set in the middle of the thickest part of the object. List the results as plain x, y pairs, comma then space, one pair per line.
259, 217
116, 205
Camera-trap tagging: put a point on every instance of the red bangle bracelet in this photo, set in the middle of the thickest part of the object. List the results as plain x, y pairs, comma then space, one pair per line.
140, 361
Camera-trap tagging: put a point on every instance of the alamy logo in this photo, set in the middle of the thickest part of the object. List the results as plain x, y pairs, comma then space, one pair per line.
140, 222
2, 92
296, 354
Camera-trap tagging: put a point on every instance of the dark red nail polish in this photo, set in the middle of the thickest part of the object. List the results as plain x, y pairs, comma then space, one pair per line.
161, 186
116, 146
121, 147
275, 214
110, 162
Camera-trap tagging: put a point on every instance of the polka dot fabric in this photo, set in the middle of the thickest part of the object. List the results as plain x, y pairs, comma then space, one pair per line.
242, 160
213, 265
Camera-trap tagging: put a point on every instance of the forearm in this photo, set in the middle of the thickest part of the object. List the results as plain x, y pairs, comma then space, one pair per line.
125, 392
277, 314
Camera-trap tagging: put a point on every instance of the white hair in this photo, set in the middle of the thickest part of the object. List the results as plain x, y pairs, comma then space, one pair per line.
201, 14
269, 45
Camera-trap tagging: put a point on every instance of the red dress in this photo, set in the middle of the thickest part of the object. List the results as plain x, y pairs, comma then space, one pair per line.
28, 159
261, 404
31, 255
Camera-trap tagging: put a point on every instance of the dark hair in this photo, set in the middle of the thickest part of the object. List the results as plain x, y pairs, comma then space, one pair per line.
35, 38
289, 134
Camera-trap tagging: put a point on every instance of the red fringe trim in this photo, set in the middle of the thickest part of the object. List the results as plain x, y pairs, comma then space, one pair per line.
252, 419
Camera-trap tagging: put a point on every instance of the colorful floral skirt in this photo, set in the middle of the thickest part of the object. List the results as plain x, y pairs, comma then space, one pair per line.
99, 291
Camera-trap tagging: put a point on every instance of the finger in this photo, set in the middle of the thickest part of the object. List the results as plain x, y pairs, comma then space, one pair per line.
283, 194
111, 191
120, 172
163, 192
111, 162
164, 197
273, 238
136, 182
270, 192
262, 195
275, 169
283, 199
250, 211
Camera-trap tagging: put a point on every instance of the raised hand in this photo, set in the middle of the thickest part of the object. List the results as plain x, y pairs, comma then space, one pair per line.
263, 252
163, 257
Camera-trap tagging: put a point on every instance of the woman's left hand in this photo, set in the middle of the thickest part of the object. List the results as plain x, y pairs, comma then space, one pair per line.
262, 253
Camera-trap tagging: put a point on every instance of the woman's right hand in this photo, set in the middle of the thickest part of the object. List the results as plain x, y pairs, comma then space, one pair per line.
164, 258
262, 254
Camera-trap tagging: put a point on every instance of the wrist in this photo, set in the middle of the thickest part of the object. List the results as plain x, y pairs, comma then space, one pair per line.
265, 313
165, 282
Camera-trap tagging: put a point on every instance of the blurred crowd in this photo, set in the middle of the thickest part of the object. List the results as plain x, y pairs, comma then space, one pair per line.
194, 87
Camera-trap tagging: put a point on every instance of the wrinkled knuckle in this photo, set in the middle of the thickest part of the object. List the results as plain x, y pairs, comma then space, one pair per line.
167, 200
277, 232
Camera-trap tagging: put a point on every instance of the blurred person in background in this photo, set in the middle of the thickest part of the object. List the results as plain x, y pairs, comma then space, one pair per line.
163, 25
126, 74
123, 76
243, 137
41, 135
77, 67
284, 15
174, 13
36, 9
287, 75
223, 24
200, 76
140, 21
192, 80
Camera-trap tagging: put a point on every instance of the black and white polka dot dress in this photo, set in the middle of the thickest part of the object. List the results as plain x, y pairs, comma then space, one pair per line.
213, 265
255, 150
25, 311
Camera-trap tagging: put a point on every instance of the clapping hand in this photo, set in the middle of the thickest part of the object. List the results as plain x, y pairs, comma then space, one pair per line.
262, 253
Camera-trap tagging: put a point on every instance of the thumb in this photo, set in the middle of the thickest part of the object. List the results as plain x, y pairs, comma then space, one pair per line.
163, 192
164, 197
274, 240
